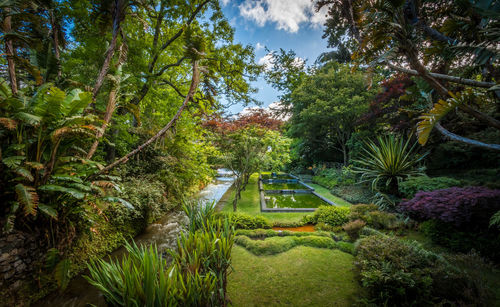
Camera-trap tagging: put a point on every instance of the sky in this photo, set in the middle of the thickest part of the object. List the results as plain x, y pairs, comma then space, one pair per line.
275, 24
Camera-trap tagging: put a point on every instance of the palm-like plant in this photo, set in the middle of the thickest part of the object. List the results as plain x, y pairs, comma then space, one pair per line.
389, 161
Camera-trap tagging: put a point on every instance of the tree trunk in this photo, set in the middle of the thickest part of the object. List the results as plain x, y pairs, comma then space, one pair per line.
192, 89
110, 107
117, 18
9, 50
55, 39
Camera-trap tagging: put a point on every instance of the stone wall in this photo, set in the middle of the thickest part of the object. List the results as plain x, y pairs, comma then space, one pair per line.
18, 253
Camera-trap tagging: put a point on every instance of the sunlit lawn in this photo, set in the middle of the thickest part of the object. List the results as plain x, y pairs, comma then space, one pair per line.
302, 276
250, 202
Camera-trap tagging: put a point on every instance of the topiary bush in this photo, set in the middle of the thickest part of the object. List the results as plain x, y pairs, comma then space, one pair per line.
330, 215
401, 273
470, 207
353, 228
410, 187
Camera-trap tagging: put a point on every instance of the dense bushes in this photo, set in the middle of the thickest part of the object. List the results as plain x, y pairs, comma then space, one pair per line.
373, 217
399, 273
246, 221
353, 228
355, 194
410, 187
329, 215
470, 207
331, 177
485, 241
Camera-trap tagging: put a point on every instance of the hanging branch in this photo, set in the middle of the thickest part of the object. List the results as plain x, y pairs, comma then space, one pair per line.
192, 89
117, 19
9, 50
110, 107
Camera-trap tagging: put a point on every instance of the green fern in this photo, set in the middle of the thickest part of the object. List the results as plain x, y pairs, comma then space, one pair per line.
27, 197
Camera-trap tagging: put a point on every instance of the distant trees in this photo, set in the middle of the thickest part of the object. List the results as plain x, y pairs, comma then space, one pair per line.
326, 106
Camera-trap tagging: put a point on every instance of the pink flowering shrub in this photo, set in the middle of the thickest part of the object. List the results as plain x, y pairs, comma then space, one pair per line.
464, 207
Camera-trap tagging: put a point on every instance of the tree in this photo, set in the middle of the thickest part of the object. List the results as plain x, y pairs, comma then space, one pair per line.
450, 37
252, 149
326, 106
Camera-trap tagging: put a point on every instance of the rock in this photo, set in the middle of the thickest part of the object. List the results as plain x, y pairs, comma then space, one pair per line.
4, 257
16, 285
21, 267
9, 274
18, 263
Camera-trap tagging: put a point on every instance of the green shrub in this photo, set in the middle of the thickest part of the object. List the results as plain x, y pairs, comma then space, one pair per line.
278, 244
410, 187
400, 273
264, 233
486, 241
331, 177
147, 197
368, 231
356, 194
360, 211
383, 220
326, 227
353, 228
246, 221
330, 215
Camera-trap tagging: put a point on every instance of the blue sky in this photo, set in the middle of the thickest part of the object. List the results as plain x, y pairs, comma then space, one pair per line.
275, 24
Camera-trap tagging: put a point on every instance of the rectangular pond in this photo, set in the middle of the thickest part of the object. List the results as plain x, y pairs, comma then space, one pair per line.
284, 186
293, 200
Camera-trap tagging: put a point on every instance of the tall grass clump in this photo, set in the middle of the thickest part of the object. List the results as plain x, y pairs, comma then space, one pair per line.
196, 276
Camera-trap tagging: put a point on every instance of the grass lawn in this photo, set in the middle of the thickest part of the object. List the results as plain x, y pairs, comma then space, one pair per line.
302, 276
326, 194
250, 203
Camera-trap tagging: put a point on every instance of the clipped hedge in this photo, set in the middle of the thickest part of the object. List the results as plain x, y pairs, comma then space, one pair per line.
329, 215
246, 221
276, 245
413, 185
265, 233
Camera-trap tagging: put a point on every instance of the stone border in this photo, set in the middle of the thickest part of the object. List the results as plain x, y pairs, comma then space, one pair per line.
310, 190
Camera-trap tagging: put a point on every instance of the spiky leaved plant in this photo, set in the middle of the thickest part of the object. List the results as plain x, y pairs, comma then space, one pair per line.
388, 162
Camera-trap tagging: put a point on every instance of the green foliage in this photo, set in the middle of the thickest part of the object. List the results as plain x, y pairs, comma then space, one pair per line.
197, 275
330, 215
265, 233
374, 217
246, 221
401, 273
354, 194
389, 163
325, 107
486, 242
353, 228
495, 220
278, 244
331, 177
410, 187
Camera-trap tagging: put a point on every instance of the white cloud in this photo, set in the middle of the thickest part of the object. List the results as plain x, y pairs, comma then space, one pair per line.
225, 2
287, 14
275, 109
267, 61
259, 46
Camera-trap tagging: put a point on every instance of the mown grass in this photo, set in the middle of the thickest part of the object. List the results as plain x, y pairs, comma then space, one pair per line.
250, 204
302, 276
326, 194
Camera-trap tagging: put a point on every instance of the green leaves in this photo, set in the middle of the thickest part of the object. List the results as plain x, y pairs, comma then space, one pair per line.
390, 161
27, 197
62, 273
57, 188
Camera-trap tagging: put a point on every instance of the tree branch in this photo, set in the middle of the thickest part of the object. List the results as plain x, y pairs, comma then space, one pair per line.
192, 89
448, 78
451, 136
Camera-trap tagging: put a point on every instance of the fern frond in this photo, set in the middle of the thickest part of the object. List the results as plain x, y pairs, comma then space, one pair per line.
26, 174
27, 197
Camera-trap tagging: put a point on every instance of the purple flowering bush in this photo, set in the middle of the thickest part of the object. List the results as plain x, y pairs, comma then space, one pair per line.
462, 207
